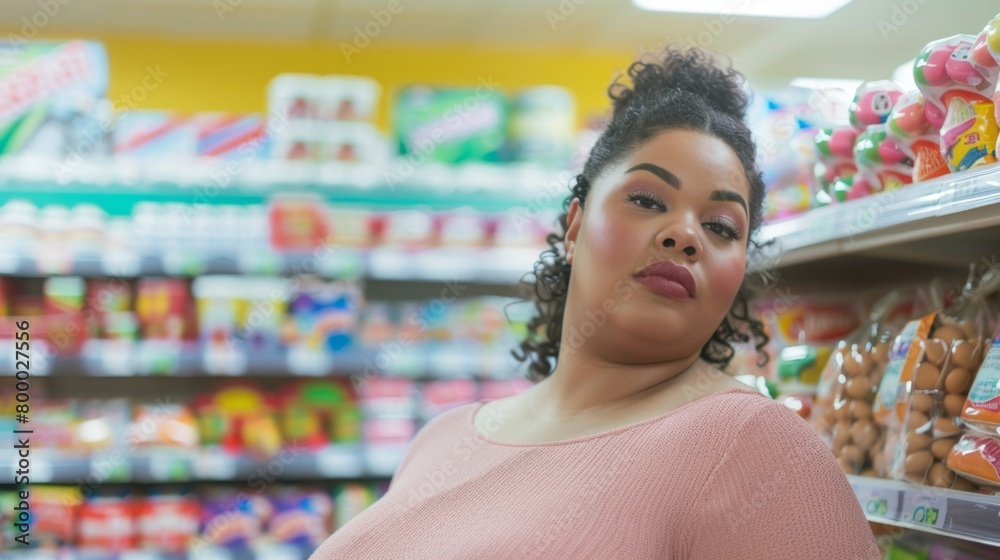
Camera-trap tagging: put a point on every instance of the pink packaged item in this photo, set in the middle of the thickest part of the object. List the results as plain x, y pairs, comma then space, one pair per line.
958, 91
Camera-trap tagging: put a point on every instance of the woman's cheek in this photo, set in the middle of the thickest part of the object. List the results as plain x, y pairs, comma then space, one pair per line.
728, 276
605, 238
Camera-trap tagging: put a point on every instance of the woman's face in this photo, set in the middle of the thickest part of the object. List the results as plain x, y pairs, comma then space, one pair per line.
659, 250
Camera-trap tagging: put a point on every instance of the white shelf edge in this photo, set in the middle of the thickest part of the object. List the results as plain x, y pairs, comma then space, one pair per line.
887, 218
953, 524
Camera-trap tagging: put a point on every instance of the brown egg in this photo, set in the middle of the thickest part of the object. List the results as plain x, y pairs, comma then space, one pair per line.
944, 427
949, 334
965, 485
847, 466
941, 447
851, 367
958, 380
918, 442
864, 434
954, 404
968, 328
859, 388
840, 413
935, 351
866, 361
854, 454
859, 409
841, 436
967, 354
941, 476
917, 463
926, 377
922, 402
918, 421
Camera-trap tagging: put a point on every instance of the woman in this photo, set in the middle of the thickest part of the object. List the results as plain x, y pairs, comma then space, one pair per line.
632, 444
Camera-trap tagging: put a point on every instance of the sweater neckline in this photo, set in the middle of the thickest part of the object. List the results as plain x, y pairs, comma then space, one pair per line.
475, 433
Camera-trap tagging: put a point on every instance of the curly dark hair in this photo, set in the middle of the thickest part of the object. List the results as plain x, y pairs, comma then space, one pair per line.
677, 89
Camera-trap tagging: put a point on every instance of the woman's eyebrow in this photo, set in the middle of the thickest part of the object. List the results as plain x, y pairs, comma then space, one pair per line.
730, 196
668, 177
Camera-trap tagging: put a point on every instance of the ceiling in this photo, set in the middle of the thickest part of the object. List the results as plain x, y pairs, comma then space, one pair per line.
867, 39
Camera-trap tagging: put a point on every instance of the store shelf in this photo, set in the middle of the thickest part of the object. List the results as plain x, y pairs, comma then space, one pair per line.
492, 265
149, 358
963, 515
888, 225
116, 185
334, 462
259, 552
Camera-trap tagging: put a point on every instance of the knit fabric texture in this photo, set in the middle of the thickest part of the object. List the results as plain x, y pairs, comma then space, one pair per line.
729, 475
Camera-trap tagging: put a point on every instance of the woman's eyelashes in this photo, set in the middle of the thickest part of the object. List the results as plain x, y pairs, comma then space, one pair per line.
646, 199
723, 227
720, 225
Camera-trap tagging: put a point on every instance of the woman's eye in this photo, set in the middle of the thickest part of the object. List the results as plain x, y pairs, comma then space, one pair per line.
647, 200
724, 229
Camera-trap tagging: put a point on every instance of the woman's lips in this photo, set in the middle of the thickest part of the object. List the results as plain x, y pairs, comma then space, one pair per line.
669, 279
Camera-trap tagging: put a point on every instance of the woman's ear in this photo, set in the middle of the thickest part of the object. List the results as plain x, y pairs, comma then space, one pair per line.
574, 217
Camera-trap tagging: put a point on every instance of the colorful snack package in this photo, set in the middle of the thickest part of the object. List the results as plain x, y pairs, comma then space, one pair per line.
940, 385
981, 411
976, 458
957, 89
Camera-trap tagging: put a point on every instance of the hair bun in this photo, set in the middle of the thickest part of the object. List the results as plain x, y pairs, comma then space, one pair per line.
692, 71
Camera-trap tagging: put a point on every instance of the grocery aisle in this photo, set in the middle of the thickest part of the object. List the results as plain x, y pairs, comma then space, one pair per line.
224, 323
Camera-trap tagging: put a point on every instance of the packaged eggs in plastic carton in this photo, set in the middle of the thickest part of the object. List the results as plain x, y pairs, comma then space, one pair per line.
940, 385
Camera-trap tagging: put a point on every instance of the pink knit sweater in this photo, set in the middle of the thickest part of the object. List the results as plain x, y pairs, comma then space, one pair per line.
730, 475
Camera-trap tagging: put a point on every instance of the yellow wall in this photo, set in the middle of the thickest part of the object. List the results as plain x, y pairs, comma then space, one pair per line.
231, 76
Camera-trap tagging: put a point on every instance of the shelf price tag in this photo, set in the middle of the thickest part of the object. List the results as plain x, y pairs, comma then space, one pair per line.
210, 553
224, 360
182, 263
169, 466
215, 464
264, 263
115, 357
307, 362
339, 461
925, 508
274, 551
121, 263
878, 502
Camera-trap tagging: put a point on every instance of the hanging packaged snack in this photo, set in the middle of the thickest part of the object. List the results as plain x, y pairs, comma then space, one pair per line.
957, 89
976, 458
850, 380
909, 127
891, 398
941, 381
981, 410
